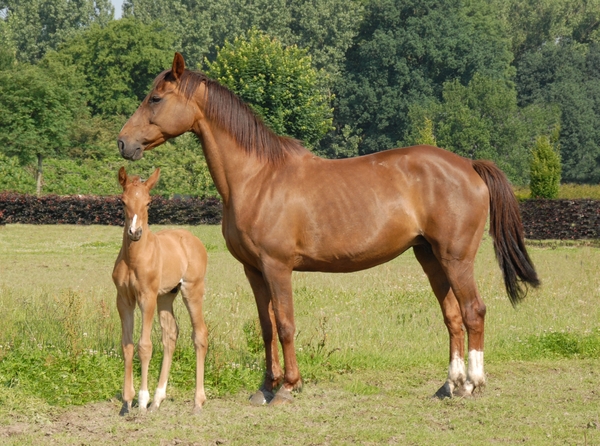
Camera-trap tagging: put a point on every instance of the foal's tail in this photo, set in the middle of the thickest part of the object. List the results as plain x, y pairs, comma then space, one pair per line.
507, 231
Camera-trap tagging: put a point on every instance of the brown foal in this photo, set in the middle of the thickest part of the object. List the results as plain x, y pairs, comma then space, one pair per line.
286, 209
150, 270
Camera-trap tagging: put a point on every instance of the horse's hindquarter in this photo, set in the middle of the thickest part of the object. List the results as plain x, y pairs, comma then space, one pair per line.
347, 215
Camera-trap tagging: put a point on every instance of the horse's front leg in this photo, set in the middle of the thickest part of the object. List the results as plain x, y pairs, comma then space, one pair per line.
278, 278
274, 372
126, 309
147, 304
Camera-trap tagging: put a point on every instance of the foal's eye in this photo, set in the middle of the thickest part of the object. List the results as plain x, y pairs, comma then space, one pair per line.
155, 99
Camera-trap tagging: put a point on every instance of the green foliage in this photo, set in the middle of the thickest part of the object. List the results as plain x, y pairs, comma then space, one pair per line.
202, 27
36, 26
566, 74
425, 134
545, 169
403, 54
278, 82
119, 62
37, 112
483, 121
13, 177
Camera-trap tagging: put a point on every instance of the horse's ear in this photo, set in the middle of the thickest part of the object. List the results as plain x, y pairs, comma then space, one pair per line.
122, 176
178, 66
151, 182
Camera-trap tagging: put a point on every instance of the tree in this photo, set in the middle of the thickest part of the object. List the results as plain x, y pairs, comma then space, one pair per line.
35, 26
567, 73
119, 62
545, 168
278, 82
202, 26
483, 121
403, 54
37, 110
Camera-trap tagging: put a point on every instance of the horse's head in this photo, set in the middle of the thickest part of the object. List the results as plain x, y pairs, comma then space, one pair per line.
165, 113
136, 200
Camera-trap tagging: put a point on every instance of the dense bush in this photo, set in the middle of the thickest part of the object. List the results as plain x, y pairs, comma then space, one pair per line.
86, 210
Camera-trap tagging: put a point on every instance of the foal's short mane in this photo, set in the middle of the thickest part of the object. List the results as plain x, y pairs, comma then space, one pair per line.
229, 112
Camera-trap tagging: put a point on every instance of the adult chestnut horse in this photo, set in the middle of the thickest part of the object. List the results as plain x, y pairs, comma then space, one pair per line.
150, 270
286, 209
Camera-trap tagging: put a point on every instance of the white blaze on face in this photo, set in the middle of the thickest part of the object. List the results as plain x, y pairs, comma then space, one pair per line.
132, 227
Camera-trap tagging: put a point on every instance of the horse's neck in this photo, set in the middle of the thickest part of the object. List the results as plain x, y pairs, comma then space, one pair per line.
141, 249
230, 166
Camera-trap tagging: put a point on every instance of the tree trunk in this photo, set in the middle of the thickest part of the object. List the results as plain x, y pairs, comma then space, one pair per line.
38, 176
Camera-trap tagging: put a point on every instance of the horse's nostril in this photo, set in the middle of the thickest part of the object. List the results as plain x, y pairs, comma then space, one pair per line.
121, 146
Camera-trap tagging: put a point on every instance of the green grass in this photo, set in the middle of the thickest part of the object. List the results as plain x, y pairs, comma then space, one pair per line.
566, 191
372, 348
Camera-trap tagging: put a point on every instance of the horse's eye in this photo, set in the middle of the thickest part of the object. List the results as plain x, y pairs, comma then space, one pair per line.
155, 99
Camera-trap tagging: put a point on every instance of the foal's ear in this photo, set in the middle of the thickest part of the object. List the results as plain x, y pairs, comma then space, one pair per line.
122, 177
151, 182
178, 66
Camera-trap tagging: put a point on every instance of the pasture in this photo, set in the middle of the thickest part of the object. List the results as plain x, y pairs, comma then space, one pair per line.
372, 348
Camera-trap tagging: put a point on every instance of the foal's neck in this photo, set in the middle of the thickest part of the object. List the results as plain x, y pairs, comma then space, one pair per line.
135, 250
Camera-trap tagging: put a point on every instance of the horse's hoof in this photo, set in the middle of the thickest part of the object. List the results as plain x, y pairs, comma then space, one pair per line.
463, 391
125, 409
261, 397
153, 407
283, 396
443, 392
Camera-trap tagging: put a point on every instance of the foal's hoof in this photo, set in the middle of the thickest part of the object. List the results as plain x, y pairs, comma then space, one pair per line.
283, 396
197, 410
125, 409
261, 397
153, 407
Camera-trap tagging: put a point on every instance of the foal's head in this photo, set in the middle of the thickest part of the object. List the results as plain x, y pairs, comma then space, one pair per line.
136, 199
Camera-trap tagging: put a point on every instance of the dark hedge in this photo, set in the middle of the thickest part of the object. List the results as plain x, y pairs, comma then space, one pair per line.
542, 219
561, 219
94, 210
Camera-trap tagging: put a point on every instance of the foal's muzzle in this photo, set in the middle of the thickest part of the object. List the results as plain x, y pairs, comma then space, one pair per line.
134, 235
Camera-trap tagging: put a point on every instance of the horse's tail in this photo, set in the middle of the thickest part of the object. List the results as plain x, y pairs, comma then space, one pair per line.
506, 229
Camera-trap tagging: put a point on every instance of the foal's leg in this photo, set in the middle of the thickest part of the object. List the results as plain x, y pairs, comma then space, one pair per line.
452, 318
170, 331
193, 296
147, 305
126, 309
274, 373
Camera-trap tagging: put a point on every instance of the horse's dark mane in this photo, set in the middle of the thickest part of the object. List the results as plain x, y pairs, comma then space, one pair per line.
229, 112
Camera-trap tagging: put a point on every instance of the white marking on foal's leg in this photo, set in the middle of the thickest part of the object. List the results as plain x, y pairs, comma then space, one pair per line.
475, 375
143, 399
160, 395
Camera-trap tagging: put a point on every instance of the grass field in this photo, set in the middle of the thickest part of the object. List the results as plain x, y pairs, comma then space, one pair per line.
372, 349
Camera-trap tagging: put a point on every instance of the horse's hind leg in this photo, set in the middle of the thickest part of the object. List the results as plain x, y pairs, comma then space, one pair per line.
170, 331
452, 318
193, 296
460, 273
274, 373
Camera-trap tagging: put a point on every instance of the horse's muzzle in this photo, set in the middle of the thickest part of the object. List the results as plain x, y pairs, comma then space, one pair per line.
131, 152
